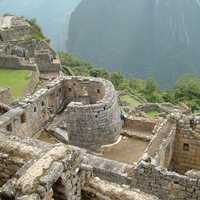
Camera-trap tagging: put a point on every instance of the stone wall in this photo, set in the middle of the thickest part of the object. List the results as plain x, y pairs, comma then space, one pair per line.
14, 152
18, 49
94, 121
161, 147
5, 96
46, 62
14, 28
165, 184
103, 190
139, 124
33, 83
186, 152
32, 113
152, 174
49, 171
109, 170
14, 62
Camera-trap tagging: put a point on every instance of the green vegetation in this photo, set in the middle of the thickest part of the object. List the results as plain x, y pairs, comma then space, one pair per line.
131, 101
37, 31
16, 80
152, 114
186, 89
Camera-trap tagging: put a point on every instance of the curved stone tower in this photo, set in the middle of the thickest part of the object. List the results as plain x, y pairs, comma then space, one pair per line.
93, 114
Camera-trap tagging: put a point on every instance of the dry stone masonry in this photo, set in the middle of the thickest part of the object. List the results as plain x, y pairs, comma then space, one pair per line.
90, 107
20, 49
83, 117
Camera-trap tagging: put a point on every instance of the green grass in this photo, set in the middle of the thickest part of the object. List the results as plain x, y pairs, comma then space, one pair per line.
152, 114
16, 80
132, 102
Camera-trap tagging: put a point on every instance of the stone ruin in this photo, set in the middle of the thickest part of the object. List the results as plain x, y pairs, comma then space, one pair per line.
5, 95
85, 110
20, 50
70, 141
83, 116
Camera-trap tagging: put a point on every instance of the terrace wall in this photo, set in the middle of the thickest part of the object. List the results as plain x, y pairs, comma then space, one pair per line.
5, 96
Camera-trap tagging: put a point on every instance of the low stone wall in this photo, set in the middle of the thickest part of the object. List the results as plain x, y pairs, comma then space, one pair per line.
14, 62
34, 80
139, 124
5, 96
160, 149
103, 190
109, 170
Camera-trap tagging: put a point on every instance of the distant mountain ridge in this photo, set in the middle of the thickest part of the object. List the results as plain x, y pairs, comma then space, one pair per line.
139, 37
52, 15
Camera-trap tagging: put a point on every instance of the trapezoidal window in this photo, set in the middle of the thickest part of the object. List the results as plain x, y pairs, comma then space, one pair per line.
186, 147
98, 91
9, 127
43, 104
35, 109
23, 118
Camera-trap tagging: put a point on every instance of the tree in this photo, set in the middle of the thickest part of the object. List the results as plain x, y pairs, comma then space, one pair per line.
152, 92
187, 90
98, 72
150, 86
117, 79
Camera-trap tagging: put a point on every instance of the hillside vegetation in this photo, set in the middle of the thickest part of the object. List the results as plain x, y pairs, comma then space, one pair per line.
136, 91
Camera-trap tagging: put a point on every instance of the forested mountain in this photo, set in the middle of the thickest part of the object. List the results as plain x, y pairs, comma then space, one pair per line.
142, 38
52, 15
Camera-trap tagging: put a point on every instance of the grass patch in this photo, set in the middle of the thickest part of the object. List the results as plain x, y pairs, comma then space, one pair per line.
16, 80
152, 114
132, 102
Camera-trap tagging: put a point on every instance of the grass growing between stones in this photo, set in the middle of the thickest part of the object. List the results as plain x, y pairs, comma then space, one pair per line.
16, 80
153, 114
130, 101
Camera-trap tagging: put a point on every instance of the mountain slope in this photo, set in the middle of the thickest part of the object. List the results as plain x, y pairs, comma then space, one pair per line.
139, 37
